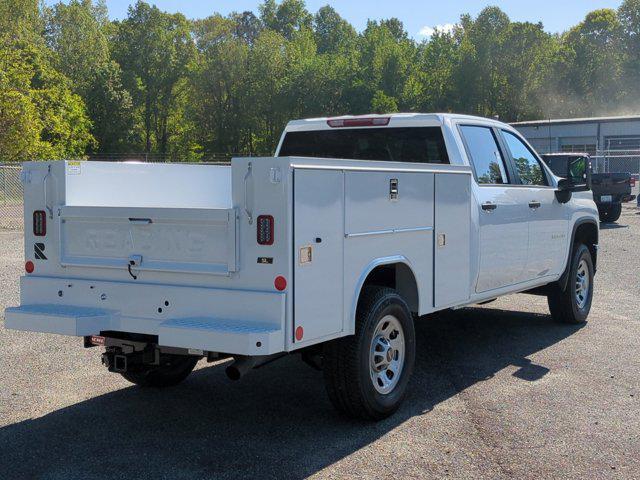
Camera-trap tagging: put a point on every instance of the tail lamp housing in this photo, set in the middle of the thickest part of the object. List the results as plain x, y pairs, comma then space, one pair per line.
264, 227
39, 223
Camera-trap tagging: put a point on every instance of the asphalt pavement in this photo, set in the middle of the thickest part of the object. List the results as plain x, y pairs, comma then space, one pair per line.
499, 391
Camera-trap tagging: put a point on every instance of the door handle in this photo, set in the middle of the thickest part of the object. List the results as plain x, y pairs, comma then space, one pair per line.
534, 205
488, 206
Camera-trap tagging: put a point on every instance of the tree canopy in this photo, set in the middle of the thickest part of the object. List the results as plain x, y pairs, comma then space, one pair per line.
73, 83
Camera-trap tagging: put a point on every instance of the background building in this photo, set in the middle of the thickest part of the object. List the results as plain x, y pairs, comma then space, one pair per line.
613, 142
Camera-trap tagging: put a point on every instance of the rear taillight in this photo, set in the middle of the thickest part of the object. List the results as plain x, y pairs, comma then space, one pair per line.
264, 226
29, 267
358, 122
39, 223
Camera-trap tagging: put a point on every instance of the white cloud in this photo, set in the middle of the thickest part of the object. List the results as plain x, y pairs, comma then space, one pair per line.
427, 31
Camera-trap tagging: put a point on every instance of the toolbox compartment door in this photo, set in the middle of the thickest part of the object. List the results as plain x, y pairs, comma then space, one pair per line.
318, 253
184, 240
453, 239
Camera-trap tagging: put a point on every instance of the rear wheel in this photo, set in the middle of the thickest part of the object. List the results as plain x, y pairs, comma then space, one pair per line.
573, 303
610, 213
172, 370
366, 374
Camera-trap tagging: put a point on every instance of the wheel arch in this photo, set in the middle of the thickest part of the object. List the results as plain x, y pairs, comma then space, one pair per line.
395, 272
585, 230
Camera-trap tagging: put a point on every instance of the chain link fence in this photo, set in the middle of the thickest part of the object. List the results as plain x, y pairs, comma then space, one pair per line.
10, 197
611, 161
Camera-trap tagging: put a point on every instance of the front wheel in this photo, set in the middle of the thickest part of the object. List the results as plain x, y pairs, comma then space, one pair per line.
366, 374
573, 303
172, 370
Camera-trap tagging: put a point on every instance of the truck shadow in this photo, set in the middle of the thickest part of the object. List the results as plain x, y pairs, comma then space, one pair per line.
274, 423
611, 226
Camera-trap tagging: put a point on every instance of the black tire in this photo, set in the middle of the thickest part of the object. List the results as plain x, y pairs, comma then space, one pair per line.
172, 370
610, 213
346, 362
564, 304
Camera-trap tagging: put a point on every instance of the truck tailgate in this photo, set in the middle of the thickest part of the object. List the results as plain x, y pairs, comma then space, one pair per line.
185, 240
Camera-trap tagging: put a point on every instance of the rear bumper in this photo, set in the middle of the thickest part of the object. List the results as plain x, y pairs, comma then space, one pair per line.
615, 199
237, 322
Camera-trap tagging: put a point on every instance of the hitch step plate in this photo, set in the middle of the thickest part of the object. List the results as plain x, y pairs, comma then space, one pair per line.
60, 319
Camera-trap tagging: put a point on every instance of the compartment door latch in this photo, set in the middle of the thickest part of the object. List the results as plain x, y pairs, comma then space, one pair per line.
134, 261
393, 189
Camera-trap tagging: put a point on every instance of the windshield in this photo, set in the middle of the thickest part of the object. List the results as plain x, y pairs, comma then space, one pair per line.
408, 144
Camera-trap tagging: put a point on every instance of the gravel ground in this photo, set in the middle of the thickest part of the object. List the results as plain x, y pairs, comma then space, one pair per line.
498, 392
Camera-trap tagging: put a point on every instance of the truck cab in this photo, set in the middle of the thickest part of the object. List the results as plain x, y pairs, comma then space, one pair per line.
331, 248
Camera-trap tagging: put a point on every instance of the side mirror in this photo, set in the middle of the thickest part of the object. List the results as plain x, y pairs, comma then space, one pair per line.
579, 173
564, 191
577, 178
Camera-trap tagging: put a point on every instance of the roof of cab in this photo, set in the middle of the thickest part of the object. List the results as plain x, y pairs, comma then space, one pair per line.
396, 120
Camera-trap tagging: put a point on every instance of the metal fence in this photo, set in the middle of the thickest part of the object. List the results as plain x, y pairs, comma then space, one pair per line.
610, 161
10, 197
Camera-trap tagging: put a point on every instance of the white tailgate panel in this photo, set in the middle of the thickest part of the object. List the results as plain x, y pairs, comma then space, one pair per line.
169, 240
452, 239
319, 214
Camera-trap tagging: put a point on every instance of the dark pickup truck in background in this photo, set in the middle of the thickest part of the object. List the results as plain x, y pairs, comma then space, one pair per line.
610, 190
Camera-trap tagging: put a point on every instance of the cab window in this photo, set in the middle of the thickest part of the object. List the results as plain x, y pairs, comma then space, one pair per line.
406, 144
527, 165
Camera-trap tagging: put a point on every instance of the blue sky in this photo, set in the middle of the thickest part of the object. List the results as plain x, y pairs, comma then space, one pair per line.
556, 15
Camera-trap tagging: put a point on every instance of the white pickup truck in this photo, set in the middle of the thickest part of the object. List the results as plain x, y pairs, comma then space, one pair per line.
331, 248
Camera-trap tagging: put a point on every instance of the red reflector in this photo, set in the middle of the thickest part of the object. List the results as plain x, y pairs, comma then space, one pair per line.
39, 223
299, 333
29, 267
358, 122
280, 283
264, 227
97, 340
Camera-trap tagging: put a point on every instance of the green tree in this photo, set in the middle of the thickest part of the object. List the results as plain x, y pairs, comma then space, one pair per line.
75, 32
219, 82
333, 34
588, 71
110, 107
40, 117
285, 18
382, 103
154, 50
629, 18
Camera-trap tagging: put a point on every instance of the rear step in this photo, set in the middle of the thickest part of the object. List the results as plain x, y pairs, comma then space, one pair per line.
60, 319
226, 336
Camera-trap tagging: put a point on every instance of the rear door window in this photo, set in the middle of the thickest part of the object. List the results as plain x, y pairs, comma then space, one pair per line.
482, 147
408, 144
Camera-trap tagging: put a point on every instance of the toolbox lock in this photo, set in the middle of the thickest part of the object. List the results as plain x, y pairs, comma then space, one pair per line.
393, 189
